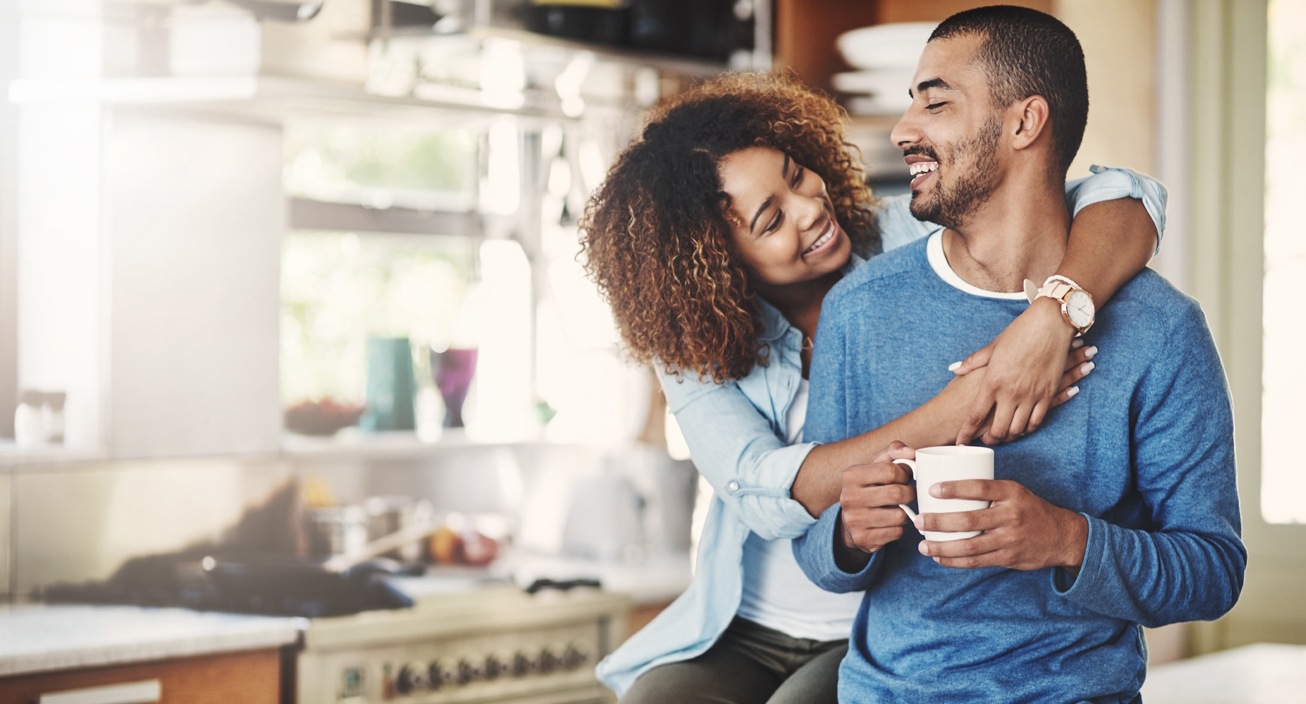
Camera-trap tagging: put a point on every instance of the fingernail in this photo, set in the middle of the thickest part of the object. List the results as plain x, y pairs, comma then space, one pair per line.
1090, 352
1070, 392
1086, 367
1076, 344
954, 366
923, 548
917, 521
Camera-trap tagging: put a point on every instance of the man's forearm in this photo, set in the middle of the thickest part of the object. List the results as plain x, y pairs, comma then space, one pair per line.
820, 478
1109, 243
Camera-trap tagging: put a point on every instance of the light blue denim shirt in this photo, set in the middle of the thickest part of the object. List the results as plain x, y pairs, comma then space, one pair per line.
735, 432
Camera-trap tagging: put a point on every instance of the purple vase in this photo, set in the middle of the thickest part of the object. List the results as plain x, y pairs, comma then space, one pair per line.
452, 370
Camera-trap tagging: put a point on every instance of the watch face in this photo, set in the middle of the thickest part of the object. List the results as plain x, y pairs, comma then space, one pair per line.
1079, 308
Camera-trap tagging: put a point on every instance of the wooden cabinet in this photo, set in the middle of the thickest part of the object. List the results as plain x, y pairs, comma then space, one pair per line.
248, 677
805, 30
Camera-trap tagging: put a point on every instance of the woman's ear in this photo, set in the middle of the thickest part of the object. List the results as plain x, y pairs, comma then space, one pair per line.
1033, 114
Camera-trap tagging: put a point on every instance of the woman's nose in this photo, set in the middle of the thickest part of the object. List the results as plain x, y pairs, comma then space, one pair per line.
808, 212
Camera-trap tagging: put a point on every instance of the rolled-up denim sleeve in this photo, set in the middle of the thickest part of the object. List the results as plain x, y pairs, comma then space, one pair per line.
734, 446
1110, 183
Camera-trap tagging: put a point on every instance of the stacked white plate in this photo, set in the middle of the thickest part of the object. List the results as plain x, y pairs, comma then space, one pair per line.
885, 56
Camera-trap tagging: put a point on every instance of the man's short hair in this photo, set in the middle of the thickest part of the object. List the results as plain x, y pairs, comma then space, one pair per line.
1026, 53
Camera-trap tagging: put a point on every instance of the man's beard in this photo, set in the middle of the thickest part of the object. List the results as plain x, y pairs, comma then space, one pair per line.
950, 206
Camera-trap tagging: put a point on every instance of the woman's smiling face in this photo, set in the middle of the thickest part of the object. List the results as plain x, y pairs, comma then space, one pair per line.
782, 220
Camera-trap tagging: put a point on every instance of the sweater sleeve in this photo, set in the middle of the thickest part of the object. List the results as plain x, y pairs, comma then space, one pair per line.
815, 554
1189, 565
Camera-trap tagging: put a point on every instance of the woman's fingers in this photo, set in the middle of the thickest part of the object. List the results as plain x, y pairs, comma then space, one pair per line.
1064, 395
977, 359
1080, 356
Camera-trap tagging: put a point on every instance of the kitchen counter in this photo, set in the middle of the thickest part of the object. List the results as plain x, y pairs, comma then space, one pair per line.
659, 578
40, 638
1265, 673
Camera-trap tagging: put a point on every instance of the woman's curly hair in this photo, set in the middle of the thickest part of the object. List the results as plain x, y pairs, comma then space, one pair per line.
656, 234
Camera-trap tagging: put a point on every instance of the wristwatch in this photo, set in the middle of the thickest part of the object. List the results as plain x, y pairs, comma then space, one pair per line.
1076, 303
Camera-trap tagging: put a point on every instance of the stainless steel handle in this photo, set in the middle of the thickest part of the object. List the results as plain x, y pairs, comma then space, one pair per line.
142, 692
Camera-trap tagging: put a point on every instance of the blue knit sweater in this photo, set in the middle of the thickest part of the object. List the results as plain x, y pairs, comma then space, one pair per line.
1145, 452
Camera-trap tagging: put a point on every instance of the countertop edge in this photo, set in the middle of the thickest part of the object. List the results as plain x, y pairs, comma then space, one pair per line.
163, 649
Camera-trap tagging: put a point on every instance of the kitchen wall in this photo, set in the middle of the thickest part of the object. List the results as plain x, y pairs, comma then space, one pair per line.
73, 522
1119, 40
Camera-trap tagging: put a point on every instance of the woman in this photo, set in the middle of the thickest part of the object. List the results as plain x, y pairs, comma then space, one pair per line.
724, 304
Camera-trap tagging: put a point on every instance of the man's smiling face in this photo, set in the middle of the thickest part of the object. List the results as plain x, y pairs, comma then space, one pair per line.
950, 136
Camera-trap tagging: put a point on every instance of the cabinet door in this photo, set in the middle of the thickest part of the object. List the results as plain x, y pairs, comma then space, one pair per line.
250, 677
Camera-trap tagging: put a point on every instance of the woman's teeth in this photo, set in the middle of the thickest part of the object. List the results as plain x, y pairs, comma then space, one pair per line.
923, 167
824, 238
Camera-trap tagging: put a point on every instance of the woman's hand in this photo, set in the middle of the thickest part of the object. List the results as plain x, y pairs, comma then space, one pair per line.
1031, 367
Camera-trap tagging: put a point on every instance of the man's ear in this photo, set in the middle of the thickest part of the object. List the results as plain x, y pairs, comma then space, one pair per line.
1033, 115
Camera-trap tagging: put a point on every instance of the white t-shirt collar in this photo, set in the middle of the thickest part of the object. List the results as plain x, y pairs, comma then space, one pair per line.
939, 262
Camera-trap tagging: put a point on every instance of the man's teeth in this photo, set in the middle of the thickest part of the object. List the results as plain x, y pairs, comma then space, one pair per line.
923, 167
824, 238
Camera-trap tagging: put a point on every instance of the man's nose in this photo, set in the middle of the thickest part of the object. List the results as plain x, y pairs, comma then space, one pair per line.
907, 132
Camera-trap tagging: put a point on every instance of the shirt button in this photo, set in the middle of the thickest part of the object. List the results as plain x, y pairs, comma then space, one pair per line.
733, 486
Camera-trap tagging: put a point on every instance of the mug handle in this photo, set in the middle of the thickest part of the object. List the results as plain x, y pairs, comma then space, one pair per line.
909, 464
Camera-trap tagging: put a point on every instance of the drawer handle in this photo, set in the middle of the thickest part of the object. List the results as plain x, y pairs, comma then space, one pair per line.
129, 693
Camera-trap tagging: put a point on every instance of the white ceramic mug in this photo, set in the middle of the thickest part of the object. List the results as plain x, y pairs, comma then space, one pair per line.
949, 463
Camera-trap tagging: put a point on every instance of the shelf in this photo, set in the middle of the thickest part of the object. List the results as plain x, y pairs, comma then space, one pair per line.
13, 456
674, 64
352, 443
266, 98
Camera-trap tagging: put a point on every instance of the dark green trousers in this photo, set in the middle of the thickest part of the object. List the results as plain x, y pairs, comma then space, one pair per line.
749, 664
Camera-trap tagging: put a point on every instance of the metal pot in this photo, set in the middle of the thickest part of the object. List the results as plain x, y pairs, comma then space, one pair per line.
391, 514
339, 530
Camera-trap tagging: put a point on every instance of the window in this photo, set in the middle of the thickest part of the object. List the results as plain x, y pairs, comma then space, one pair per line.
1283, 488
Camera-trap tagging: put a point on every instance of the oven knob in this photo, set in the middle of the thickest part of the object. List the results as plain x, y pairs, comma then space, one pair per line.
468, 672
524, 662
548, 660
442, 672
575, 656
412, 678
497, 664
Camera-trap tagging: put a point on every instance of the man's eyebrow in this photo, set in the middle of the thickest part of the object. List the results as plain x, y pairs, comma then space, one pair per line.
767, 203
932, 83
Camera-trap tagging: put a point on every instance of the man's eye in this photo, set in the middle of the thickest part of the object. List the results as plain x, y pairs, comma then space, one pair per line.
935, 106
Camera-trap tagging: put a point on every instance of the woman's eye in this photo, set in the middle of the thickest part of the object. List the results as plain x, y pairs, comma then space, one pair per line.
774, 224
798, 176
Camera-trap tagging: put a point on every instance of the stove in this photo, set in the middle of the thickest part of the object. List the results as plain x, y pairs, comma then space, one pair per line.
464, 642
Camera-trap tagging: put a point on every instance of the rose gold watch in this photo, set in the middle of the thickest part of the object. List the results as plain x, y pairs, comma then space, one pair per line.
1076, 304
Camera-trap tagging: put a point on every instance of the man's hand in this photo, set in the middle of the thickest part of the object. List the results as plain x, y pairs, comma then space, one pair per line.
869, 500
1025, 363
1021, 531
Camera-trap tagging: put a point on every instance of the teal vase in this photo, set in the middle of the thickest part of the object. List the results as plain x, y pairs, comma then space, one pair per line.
391, 385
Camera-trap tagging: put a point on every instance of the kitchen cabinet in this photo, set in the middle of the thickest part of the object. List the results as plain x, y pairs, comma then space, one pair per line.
805, 30
249, 677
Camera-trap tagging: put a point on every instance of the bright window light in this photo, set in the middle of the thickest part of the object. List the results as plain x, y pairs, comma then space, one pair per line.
1283, 480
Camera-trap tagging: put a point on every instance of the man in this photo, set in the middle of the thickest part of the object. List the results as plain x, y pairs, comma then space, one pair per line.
1120, 511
